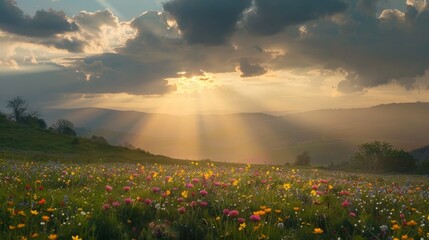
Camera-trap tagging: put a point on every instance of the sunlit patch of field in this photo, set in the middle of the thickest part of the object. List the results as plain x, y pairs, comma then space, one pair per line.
48, 200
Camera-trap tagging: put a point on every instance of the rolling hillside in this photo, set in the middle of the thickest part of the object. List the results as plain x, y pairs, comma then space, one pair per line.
23, 142
328, 135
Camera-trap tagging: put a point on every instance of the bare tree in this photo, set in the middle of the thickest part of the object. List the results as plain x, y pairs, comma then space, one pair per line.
19, 108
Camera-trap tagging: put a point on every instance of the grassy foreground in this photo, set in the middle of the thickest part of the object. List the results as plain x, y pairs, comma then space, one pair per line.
50, 200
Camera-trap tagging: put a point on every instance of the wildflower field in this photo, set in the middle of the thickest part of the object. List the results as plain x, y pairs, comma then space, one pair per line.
202, 200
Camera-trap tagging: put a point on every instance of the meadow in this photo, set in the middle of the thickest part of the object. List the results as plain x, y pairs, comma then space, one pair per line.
205, 200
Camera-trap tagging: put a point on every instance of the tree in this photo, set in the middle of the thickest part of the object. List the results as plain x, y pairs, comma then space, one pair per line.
19, 108
64, 126
380, 156
99, 139
34, 121
303, 159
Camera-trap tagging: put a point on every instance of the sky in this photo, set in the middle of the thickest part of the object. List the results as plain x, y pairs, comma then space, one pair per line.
214, 56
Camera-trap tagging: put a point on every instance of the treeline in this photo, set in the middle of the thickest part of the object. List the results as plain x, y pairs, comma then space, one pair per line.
379, 156
21, 112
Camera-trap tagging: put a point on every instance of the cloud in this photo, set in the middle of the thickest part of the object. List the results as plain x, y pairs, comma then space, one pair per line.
43, 24
251, 70
370, 49
93, 21
269, 17
209, 22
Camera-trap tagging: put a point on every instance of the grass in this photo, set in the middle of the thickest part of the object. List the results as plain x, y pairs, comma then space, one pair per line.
58, 187
156, 201
19, 141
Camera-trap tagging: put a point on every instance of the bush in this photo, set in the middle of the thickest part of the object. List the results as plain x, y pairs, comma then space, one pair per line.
64, 126
381, 157
303, 159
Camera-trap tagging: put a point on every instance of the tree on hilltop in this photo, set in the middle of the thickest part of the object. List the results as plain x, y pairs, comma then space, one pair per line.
64, 126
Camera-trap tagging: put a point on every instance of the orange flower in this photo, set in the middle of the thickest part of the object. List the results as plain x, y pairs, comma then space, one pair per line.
412, 223
52, 236
45, 218
318, 231
42, 201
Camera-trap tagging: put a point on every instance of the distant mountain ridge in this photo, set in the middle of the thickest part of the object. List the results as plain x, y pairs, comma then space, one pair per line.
329, 135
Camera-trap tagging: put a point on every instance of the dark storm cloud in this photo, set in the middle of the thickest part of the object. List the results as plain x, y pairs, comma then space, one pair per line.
251, 70
371, 49
70, 44
115, 73
272, 16
43, 24
209, 22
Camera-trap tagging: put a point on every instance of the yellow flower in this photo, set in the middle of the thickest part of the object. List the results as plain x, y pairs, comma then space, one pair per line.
34, 212
277, 211
50, 210
217, 218
21, 225
76, 237
23, 238
22, 213
52, 236
317, 231
287, 186
184, 194
296, 209
45, 218
242, 226
11, 227
404, 237
267, 210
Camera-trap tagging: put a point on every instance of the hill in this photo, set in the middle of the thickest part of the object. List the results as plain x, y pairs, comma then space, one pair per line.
328, 135
21, 141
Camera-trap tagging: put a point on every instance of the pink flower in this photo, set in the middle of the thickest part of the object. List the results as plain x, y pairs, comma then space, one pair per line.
204, 192
314, 187
156, 189
167, 179
116, 204
402, 216
126, 188
226, 211
181, 210
189, 185
352, 214
147, 201
108, 188
180, 199
106, 206
255, 218
344, 193
233, 213
193, 204
128, 200
345, 203
241, 220
203, 204
195, 180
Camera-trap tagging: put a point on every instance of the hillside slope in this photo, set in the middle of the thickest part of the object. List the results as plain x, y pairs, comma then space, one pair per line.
20, 141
